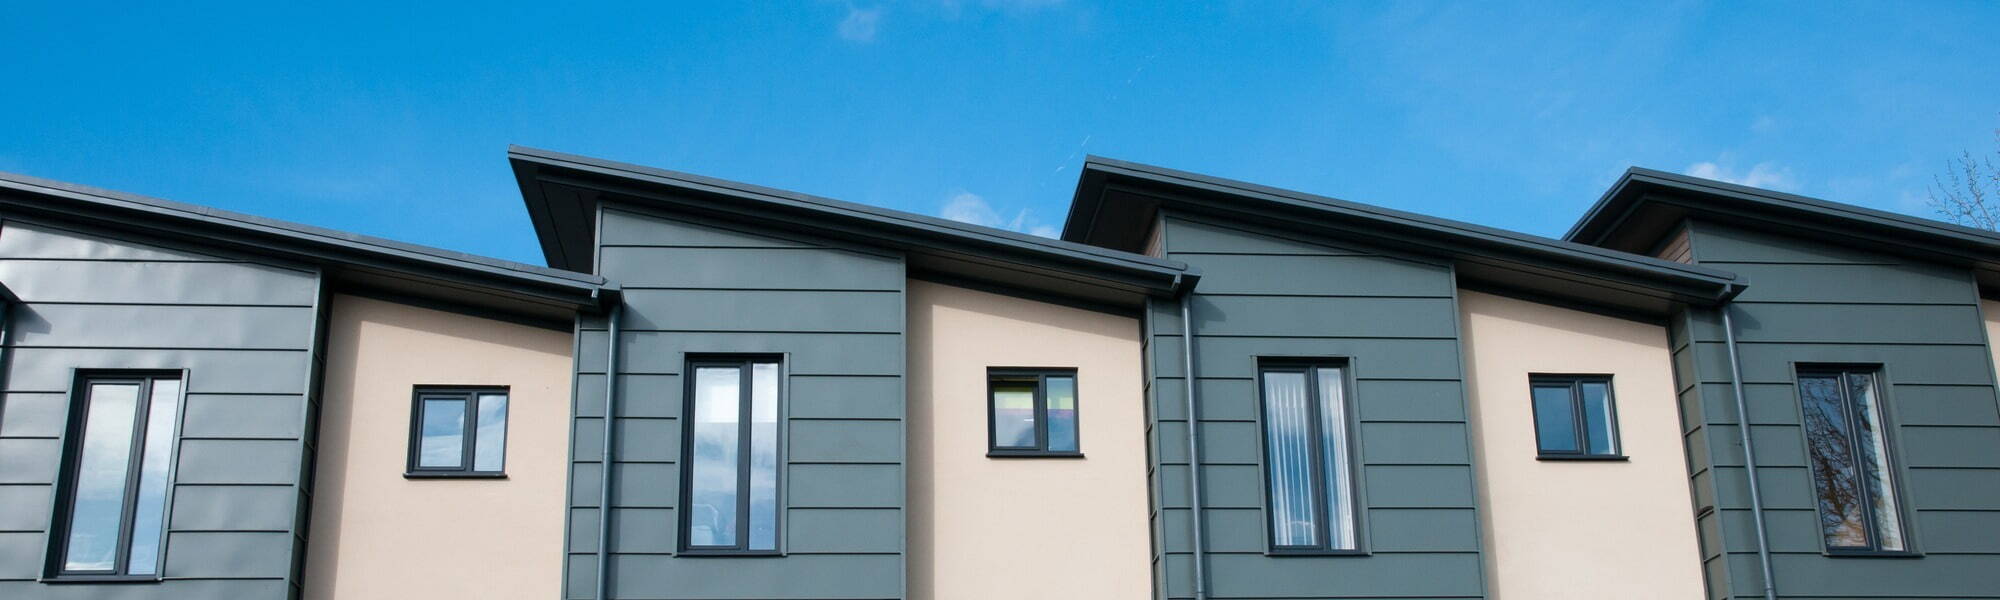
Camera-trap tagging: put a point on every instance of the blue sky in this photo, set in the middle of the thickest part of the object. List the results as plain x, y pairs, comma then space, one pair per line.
393, 120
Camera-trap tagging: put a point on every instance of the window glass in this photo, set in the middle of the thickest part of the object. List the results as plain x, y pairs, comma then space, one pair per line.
1014, 414
712, 507
1847, 448
97, 511
1597, 418
734, 436
1062, 414
1555, 423
764, 456
489, 452
443, 437
115, 481
1333, 425
149, 511
1288, 436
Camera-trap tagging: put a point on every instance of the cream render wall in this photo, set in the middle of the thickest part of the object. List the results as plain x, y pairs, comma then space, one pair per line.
1560, 530
375, 534
1990, 311
983, 528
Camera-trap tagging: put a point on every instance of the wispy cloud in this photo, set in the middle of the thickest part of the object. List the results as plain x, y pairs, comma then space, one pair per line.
860, 24
1765, 175
967, 207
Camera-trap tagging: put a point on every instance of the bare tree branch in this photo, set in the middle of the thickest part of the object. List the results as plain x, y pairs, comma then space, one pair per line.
1969, 189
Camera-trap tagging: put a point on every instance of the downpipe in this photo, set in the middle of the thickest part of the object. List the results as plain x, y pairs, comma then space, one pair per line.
604, 470
1196, 518
1749, 452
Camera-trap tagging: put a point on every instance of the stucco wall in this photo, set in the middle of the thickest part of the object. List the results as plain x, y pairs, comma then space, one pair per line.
378, 535
1023, 528
1990, 312
1558, 529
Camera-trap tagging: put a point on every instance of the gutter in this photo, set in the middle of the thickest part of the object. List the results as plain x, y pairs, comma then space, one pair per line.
1195, 520
1749, 452
604, 470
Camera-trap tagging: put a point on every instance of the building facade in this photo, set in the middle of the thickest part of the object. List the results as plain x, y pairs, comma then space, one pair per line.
1206, 389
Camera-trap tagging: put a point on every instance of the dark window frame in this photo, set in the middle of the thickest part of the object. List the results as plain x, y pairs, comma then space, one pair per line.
1041, 376
1577, 419
468, 456
1890, 449
742, 363
62, 501
1358, 509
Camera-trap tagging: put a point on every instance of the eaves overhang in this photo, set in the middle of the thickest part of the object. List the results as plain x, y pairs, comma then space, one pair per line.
1118, 201
564, 191
1646, 204
353, 261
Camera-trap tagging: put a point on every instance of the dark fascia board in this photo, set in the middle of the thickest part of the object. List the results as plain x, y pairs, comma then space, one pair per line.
420, 265
1605, 220
869, 225
1459, 240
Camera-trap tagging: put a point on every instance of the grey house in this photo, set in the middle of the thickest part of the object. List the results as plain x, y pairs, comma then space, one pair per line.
1206, 389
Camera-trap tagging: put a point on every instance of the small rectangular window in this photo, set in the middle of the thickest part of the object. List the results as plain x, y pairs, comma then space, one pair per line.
116, 472
1848, 447
1575, 417
1308, 457
458, 432
1031, 412
730, 484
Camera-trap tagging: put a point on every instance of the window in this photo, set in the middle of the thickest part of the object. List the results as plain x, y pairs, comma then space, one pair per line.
116, 475
1308, 457
1847, 445
1031, 412
1575, 417
730, 484
458, 432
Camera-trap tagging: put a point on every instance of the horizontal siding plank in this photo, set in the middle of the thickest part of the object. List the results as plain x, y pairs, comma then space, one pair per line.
1371, 358
1304, 275
253, 416
846, 486
228, 554
210, 371
29, 460
120, 326
33, 240
845, 441
750, 268
24, 507
1301, 316
233, 507
820, 531
32, 414
157, 282
238, 462
625, 227
811, 354
763, 310
1859, 323
1838, 283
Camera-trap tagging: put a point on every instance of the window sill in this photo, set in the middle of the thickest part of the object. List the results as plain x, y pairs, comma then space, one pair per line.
1281, 553
729, 554
451, 475
1584, 457
69, 579
1872, 554
1031, 454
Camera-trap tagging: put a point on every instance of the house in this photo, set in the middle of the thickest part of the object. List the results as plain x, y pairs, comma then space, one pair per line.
1205, 389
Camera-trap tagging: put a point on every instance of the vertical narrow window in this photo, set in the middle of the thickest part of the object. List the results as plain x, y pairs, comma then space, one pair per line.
458, 432
730, 483
1574, 417
1031, 412
117, 476
1308, 457
1853, 475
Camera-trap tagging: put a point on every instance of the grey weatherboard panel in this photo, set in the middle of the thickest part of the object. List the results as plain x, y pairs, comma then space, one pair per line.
1394, 319
244, 332
836, 314
1813, 302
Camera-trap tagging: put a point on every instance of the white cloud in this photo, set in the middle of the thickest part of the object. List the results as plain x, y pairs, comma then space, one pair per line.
967, 207
1764, 175
860, 24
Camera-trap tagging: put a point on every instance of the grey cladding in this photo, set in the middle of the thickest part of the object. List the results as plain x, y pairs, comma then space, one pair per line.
835, 313
243, 328
1818, 303
1271, 294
